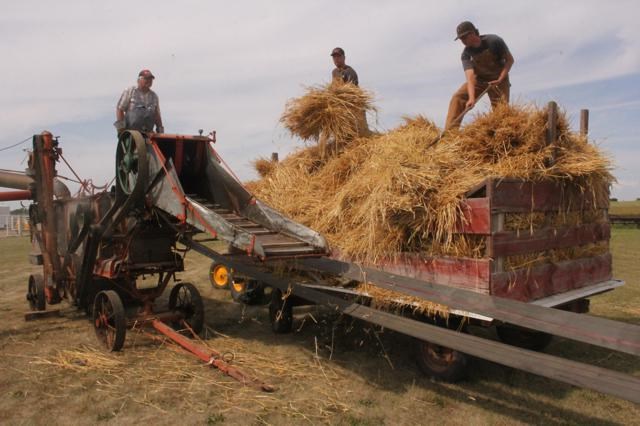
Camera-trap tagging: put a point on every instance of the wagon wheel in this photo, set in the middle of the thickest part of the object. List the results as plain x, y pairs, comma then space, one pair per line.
219, 276
280, 313
246, 290
186, 300
131, 163
109, 320
523, 337
35, 293
441, 362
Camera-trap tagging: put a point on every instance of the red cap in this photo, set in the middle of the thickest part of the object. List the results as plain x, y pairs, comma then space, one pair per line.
146, 74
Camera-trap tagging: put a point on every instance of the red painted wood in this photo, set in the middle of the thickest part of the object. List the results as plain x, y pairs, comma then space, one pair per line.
527, 196
461, 272
512, 243
547, 280
477, 216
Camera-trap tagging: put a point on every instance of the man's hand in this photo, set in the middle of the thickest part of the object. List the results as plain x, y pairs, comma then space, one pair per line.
496, 82
470, 103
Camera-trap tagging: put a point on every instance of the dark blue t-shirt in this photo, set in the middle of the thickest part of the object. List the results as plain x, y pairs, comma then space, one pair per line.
488, 41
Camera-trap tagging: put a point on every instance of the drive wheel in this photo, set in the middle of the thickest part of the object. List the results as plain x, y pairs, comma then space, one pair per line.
186, 300
35, 293
280, 313
131, 163
109, 320
219, 276
441, 362
523, 337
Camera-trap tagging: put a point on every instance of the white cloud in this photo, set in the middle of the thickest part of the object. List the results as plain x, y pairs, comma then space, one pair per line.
232, 66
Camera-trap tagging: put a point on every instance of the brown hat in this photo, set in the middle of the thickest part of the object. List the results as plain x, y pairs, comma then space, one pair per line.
338, 51
465, 28
146, 74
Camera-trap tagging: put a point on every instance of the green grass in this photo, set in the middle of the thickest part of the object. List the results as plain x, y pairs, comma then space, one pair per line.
623, 303
624, 208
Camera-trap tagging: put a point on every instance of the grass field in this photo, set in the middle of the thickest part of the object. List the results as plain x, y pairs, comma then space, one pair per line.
624, 208
330, 371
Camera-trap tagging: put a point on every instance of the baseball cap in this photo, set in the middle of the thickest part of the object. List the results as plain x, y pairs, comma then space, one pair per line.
146, 74
338, 51
465, 28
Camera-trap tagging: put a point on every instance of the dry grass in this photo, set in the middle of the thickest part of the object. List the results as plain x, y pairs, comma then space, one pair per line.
386, 193
331, 114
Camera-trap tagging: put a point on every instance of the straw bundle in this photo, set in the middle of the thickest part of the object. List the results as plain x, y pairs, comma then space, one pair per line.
333, 113
386, 193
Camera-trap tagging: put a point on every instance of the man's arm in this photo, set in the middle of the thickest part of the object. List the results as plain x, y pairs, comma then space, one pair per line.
159, 126
123, 102
471, 87
508, 63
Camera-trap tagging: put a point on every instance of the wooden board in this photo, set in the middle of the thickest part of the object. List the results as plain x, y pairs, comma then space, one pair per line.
526, 196
550, 279
460, 272
477, 216
509, 243
584, 328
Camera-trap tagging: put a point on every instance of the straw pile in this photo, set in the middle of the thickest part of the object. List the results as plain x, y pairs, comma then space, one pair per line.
378, 195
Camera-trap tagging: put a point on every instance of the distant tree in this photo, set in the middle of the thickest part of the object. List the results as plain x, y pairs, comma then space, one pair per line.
613, 199
20, 211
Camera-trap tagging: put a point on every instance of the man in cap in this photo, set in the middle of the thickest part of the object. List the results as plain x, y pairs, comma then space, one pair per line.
139, 107
342, 71
486, 61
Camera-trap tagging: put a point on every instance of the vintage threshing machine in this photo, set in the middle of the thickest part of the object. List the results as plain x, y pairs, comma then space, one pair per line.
114, 252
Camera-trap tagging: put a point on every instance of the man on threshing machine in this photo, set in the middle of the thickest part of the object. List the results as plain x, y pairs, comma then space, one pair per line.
139, 107
486, 61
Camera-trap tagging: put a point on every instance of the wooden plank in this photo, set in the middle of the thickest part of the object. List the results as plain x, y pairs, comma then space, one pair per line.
546, 280
36, 315
476, 216
614, 383
511, 243
460, 272
526, 196
584, 328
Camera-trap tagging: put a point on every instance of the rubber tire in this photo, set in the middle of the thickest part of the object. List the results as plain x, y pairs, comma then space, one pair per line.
195, 315
523, 337
280, 313
119, 318
212, 271
247, 291
453, 370
35, 293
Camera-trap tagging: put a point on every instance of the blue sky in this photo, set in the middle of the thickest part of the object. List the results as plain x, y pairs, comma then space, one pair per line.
232, 66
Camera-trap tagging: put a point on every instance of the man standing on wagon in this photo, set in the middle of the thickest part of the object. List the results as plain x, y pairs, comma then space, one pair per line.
342, 71
486, 61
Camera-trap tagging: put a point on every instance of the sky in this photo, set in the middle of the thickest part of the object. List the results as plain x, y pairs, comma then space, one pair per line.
231, 66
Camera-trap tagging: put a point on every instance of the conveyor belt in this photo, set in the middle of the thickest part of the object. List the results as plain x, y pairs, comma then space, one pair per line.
274, 244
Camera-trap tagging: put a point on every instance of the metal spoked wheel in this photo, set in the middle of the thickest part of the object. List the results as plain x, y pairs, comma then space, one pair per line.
219, 276
186, 300
280, 313
35, 293
131, 163
109, 320
441, 362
